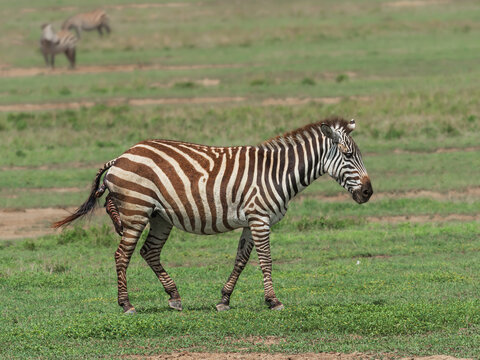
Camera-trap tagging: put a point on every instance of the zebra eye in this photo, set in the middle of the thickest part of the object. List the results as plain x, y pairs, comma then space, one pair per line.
348, 155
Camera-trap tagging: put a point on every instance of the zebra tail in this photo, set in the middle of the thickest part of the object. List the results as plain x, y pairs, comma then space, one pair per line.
90, 203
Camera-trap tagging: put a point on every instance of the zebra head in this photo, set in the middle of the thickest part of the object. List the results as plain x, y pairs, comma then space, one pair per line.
343, 160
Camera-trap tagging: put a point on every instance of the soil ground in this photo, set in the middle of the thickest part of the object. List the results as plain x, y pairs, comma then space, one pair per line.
263, 356
32, 223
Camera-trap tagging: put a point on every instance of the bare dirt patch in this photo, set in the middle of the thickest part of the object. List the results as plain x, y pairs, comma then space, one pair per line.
115, 7
95, 69
60, 190
436, 151
256, 340
469, 193
290, 101
165, 101
423, 218
265, 356
47, 106
300, 101
32, 223
414, 3
71, 165
146, 6
203, 82
120, 101
28, 223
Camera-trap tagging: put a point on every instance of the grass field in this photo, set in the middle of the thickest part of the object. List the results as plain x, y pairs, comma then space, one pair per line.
398, 276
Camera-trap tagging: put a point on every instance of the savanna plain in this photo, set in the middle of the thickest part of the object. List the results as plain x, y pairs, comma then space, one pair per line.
396, 277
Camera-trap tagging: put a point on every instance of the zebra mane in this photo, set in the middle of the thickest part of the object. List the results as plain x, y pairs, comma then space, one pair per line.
293, 136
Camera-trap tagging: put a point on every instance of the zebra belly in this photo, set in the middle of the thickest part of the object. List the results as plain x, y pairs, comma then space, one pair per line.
204, 226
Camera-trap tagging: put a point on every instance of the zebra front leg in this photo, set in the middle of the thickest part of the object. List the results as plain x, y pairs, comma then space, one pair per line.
122, 259
71, 58
157, 236
260, 228
45, 57
245, 246
68, 54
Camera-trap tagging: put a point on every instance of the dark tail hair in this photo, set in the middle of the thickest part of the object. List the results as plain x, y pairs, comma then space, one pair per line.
88, 205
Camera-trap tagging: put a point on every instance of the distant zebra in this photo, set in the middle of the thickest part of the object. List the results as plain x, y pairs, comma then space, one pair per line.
209, 190
52, 43
97, 19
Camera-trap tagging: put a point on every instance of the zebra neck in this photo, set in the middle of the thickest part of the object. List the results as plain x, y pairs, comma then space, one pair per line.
294, 162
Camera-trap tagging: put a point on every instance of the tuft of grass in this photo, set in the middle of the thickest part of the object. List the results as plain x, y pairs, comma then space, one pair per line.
65, 91
20, 153
95, 236
185, 85
394, 133
20, 120
308, 81
259, 82
56, 268
306, 223
341, 78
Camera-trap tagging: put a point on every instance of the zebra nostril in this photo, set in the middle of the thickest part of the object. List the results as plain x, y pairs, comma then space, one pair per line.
367, 190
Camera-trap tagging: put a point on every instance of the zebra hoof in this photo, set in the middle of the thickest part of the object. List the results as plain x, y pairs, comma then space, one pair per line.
131, 311
222, 307
277, 307
175, 304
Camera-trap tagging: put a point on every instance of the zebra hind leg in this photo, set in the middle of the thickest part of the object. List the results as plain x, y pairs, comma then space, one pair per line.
245, 246
131, 233
151, 249
112, 211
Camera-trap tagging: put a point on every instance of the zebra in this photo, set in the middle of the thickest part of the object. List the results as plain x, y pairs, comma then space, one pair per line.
52, 43
208, 190
97, 19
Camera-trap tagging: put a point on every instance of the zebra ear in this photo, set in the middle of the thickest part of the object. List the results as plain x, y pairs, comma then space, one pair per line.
351, 125
330, 133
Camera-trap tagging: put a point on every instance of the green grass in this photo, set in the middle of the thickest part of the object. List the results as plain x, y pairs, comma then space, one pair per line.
346, 287
408, 75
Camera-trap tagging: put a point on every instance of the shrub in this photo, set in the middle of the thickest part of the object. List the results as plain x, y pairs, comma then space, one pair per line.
341, 78
65, 91
185, 85
308, 81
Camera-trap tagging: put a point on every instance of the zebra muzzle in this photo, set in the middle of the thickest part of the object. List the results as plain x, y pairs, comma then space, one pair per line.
363, 194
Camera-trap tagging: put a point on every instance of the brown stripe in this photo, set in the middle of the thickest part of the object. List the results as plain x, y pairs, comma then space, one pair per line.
172, 173
229, 166
192, 174
130, 212
133, 186
241, 171
210, 189
148, 173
